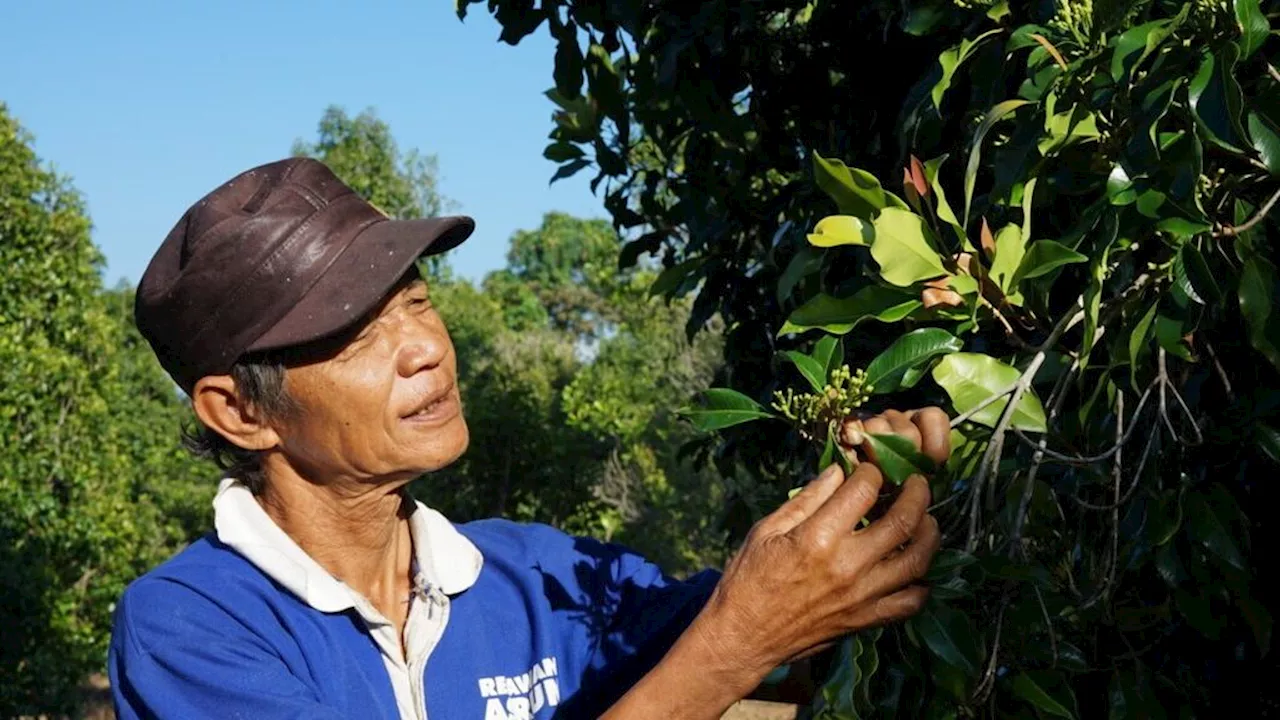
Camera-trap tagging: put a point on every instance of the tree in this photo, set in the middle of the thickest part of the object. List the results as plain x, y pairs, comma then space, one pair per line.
89, 430
1081, 268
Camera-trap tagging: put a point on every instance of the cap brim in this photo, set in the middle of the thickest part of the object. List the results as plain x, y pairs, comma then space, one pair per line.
361, 276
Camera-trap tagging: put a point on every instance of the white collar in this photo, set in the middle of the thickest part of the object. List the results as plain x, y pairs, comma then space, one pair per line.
446, 558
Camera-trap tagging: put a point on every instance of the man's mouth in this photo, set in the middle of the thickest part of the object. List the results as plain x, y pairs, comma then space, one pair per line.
435, 405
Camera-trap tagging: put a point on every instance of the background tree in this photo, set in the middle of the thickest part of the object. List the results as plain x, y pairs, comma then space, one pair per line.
1088, 282
92, 481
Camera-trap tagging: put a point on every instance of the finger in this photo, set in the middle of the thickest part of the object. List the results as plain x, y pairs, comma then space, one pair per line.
935, 433
847, 505
877, 425
902, 425
811, 497
889, 608
912, 563
898, 524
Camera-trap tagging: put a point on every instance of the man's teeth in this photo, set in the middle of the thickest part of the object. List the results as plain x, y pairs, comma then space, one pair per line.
428, 408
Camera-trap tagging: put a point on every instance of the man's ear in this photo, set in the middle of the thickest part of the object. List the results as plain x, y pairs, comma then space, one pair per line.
220, 407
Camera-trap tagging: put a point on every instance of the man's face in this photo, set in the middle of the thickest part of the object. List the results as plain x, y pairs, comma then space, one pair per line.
383, 403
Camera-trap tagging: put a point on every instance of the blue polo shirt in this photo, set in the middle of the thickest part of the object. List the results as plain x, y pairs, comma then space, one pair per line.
513, 621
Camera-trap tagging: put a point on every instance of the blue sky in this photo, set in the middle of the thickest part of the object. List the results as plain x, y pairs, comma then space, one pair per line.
149, 105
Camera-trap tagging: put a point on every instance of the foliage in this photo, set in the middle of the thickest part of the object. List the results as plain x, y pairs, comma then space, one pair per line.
568, 370
92, 481
1088, 246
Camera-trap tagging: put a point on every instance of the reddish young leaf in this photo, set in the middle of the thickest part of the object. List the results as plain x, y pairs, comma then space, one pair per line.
917, 177
988, 241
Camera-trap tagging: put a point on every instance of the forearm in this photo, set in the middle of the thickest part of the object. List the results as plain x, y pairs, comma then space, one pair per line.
697, 678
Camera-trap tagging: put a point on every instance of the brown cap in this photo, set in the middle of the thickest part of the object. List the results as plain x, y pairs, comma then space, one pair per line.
281, 255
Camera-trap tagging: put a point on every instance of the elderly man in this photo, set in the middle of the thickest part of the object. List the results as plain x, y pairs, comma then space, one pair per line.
291, 311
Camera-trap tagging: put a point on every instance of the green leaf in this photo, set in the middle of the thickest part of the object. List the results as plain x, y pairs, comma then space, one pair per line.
898, 458
903, 250
804, 263
994, 115
942, 207
971, 378
828, 453
951, 59
1207, 528
1025, 687
570, 169
1139, 339
1134, 45
1068, 128
840, 230
811, 369
1254, 27
1120, 189
1028, 195
830, 353
1010, 249
724, 408
1265, 138
947, 562
855, 192
916, 348
949, 636
562, 152
1267, 439
1215, 95
1192, 272
1258, 303
840, 315
673, 277
1043, 257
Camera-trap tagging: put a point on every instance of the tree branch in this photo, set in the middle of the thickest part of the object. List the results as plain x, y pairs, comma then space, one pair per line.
1234, 230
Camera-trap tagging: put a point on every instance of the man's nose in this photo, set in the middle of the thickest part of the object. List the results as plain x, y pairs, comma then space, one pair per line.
422, 347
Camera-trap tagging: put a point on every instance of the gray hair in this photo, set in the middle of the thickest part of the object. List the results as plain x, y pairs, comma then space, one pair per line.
259, 382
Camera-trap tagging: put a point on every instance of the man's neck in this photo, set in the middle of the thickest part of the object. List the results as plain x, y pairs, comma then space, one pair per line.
359, 533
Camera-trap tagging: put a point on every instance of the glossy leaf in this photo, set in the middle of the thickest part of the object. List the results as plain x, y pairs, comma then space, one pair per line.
916, 348
1215, 95
941, 206
670, 279
902, 249
1025, 687
805, 262
1139, 340
1265, 138
951, 59
949, 636
724, 408
1010, 250
1209, 531
1192, 272
971, 378
1254, 27
1136, 44
856, 192
1043, 257
947, 562
1258, 304
840, 315
811, 369
835, 230
1268, 440
993, 116
829, 352
898, 458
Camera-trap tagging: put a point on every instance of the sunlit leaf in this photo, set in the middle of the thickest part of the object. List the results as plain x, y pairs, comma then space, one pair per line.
902, 249
1254, 27
951, 59
916, 348
724, 408
811, 369
856, 192
840, 315
1214, 94
1043, 257
994, 115
835, 230
972, 378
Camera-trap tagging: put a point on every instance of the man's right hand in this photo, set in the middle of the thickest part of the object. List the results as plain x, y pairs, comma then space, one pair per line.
807, 575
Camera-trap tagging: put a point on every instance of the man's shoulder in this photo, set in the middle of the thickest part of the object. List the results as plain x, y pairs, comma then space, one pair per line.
207, 585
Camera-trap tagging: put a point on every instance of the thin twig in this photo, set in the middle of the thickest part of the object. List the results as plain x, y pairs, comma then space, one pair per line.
985, 685
1055, 403
1053, 637
1234, 230
1117, 472
1089, 459
1275, 74
1222, 373
1137, 475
